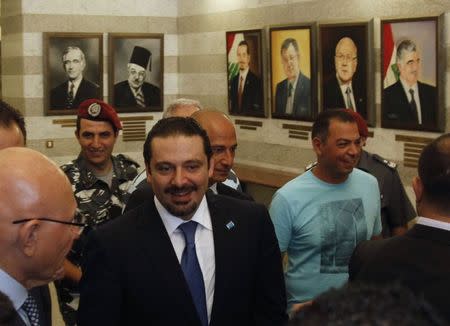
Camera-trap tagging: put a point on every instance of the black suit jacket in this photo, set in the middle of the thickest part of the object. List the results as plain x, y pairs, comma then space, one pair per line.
86, 90
420, 259
132, 276
302, 98
333, 98
252, 96
144, 192
124, 97
396, 108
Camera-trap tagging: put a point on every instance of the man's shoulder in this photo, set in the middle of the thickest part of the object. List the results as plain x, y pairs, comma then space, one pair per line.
70, 167
394, 88
226, 190
379, 161
89, 84
150, 87
426, 87
127, 166
122, 84
126, 160
60, 88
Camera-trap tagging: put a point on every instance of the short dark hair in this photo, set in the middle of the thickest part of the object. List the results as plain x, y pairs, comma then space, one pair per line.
321, 126
368, 304
9, 116
288, 42
77, 128
175, 126
244, 42
434, 172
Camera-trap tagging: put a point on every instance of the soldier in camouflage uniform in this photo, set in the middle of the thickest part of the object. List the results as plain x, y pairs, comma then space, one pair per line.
100, 180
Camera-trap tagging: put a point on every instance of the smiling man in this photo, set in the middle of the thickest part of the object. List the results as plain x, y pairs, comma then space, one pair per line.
76, 89
99, 179
184, 257
323, 214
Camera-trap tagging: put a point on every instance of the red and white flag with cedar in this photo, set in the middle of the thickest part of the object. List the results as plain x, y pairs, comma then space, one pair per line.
390, 69
233, 41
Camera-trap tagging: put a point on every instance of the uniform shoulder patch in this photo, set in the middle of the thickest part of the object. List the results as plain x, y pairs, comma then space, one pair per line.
310, 166
382, 160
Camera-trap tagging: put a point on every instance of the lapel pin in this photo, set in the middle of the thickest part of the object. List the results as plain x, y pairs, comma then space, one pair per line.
230, 225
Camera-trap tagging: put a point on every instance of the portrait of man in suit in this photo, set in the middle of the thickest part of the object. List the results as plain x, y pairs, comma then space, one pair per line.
136, 92
185, 256
293, 94
76, 89
246, 91
341, 90
409, 103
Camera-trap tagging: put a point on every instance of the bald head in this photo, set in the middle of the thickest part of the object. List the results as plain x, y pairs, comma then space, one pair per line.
346, 59
222, 135
182, 107
33, 187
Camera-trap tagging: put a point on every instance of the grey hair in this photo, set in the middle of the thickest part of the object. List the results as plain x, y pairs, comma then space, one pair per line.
405, 46
73, 48
174, 105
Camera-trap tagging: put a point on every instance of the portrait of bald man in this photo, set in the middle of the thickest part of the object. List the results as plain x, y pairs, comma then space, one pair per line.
344, 66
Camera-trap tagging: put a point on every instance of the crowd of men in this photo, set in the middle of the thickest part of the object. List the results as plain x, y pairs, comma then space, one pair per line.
177, 245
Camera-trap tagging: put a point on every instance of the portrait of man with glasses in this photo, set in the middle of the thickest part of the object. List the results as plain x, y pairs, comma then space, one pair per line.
343, 88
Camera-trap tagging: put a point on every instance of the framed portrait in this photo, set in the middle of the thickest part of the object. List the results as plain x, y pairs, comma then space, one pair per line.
344, 65
73, 71
136, 82
409, 74
245, 73
293, 77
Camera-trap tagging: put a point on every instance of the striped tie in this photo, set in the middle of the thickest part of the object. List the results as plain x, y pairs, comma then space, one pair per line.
70, 95
140, 99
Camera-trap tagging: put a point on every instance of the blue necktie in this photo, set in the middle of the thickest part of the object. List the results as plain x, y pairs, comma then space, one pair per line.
192, 272
31, 309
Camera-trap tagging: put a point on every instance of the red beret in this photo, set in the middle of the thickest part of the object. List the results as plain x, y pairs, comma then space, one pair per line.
94, 109
362, 125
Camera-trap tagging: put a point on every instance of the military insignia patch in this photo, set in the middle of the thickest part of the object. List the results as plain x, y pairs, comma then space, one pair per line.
94, 110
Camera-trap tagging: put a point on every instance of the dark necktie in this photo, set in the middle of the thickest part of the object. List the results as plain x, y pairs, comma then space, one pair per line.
31, 309
192, 272
70, 94
291, 88
413, 107
140, 99
240, 91
348, 91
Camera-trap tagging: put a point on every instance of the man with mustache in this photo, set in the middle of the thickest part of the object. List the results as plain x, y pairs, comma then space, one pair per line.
320, 216
37, 228
184, 257
99, 179
293, 94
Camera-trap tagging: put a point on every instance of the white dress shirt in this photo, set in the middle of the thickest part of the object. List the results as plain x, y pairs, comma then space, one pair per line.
433, 223
76, 84
415, 88
204, 243
344, 94
16, 292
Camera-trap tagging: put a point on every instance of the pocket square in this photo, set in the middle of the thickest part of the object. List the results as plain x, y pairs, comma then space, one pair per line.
230, 225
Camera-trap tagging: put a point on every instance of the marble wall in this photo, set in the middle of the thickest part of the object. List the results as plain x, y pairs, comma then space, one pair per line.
194, 60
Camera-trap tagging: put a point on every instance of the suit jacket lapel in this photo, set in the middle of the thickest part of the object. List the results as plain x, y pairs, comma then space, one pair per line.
152, 237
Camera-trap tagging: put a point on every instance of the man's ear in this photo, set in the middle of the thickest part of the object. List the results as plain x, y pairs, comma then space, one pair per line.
317, 145
28, 237
211, 167
418, 188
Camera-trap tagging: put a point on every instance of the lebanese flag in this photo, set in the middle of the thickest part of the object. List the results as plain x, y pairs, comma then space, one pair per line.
390, 69
233, 41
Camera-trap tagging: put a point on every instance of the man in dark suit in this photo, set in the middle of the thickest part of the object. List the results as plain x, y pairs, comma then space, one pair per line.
136, 92
246, 92
341, 90
409, 103
146, 269
222, 136
420, 257
36, 230
293, 94
76, 89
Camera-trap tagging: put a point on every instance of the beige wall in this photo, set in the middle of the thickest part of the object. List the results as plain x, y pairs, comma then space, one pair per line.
194, 57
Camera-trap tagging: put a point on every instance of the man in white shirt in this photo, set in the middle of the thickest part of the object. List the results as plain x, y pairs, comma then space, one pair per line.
420, 257
183, 258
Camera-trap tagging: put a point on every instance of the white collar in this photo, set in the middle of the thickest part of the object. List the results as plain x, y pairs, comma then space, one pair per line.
433, 223
16, 292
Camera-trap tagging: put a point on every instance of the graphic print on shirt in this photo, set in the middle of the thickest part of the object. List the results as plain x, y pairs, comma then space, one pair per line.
342, 227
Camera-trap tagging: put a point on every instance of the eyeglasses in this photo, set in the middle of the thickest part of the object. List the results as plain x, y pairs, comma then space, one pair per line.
347, 57
75, 226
